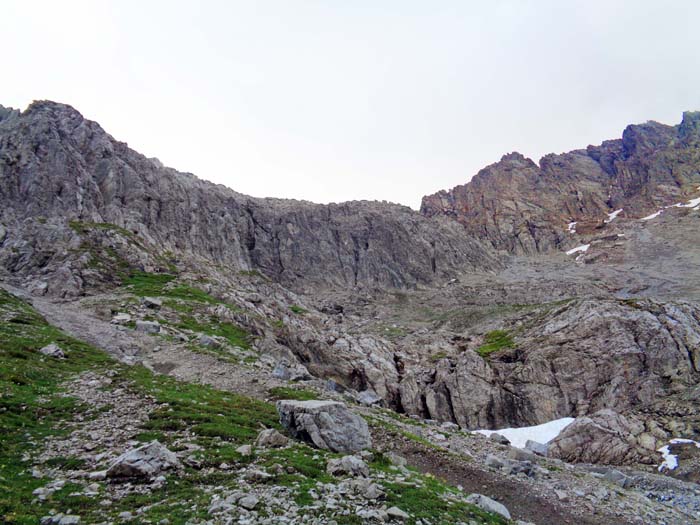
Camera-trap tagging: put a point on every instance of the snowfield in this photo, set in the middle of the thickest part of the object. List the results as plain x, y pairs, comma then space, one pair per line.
582, 248
543, 433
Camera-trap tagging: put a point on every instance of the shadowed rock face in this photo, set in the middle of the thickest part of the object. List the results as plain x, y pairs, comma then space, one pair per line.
56, 164
524, 208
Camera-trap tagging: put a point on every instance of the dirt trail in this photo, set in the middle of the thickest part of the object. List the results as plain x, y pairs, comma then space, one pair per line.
522, 501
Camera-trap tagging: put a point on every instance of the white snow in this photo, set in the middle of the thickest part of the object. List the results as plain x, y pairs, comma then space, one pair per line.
670, 461
652, 216
571, 227
582, 248
691, 203
543, 433
611, 216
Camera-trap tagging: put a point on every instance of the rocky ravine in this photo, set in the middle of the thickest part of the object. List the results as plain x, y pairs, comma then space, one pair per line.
373, 302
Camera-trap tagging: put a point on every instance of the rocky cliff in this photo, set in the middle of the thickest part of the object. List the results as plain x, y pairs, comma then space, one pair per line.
525, 208
57, 167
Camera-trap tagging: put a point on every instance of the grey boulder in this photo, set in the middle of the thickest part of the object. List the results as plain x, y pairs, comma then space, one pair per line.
143, 462
53, 350
325, 424
270, 438
148, 327
488, 504
347, 466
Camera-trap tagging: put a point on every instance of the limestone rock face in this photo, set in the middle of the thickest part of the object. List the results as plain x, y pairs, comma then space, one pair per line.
582, 357
325, 424
524, 208
143, 462
58, 166
604, 437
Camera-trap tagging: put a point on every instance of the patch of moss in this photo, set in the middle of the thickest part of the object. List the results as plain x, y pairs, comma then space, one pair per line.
298, 309
494, 341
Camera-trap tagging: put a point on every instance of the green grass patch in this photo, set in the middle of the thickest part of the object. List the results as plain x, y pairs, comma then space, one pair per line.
298, 309
284, 392
235, 335
495, 341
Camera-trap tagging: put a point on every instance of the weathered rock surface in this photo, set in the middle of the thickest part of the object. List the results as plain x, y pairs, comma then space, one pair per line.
143, 462
488, 504
523, 207
53, 350
271, 438
347, 465
605, 437
325, 424
56, 165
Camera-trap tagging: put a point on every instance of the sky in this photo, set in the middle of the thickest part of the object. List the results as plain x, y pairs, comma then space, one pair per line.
331, 101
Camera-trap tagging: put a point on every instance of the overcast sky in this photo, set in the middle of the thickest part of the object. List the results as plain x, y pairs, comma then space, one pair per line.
340, 100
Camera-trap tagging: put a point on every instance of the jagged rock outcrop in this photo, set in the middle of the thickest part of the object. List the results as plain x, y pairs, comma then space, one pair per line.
609, 438
523, 207
56, 166
579, 358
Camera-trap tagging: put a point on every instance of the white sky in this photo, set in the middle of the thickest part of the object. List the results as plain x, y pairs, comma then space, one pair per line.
340, 100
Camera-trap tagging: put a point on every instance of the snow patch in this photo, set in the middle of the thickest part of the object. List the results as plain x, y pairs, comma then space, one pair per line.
582, 248
571, 227
543, 433
652, 216
670, 461
611, 216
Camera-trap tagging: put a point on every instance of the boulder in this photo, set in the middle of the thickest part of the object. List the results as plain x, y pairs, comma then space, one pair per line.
325, 424
121, 318
397, 514
146, 461
151, 302
489, 505
53, 350
368, 398
208, 341
290, 371
537, 448
147, 327
605, 437
245, 450
270, 438
498, 438
347, 465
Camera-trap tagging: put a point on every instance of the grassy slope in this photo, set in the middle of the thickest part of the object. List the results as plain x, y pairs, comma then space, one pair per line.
31, 410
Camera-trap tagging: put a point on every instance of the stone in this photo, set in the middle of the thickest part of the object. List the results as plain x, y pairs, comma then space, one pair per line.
290, 371
121, 318
396, 459
249, 502
271, 438
245, 450
53, 350
488, 504
520, 454
397, 513
147, 327
208, 341
152, 302
615, 476
368, 398
147, 461
498, 438
347, 465
328, 425
603, 437
69, 520
98, 475
536, 448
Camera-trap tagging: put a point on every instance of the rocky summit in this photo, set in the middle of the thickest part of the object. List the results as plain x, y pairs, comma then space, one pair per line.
525, 349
